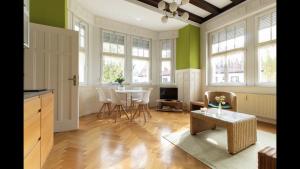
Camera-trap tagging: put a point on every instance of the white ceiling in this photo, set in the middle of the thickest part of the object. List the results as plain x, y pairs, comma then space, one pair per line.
219, 3
130, 13
195, 10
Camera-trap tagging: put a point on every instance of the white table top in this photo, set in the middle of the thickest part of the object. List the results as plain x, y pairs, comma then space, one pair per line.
131, 91
228, 116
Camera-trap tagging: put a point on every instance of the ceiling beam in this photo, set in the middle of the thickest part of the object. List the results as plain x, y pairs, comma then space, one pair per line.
206, 6
192, 17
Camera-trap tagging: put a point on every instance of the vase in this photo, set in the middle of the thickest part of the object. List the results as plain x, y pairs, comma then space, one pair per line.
219, 108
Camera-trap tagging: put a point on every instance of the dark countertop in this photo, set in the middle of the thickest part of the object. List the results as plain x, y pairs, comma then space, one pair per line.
32, 94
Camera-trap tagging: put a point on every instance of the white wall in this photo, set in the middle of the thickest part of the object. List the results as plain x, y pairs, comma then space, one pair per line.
244, 11
88, 102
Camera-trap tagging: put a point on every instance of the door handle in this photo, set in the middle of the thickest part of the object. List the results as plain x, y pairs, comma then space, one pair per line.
74, 80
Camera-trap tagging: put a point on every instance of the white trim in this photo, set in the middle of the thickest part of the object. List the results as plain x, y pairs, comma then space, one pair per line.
257, 45
226, 52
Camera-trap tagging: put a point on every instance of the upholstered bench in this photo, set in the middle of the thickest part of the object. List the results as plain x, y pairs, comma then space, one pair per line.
267, 158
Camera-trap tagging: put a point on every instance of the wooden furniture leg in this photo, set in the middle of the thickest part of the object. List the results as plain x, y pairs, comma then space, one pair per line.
100, 111
124, 112
241, 135
197, 125
148, 111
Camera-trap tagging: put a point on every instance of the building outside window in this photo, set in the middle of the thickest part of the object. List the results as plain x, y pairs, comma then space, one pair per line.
82, 29
113, 56
167, 53
141, 60
227, 55
266, 48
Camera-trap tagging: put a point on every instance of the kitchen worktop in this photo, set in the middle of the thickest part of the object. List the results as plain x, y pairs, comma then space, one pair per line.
32, 94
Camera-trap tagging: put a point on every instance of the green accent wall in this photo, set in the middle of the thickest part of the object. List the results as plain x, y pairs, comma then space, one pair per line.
188, 48
49, 12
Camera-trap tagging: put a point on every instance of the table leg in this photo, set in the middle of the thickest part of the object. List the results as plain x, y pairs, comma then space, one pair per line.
241, 135
198, 125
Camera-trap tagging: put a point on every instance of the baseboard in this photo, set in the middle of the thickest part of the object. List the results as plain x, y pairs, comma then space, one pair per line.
266, 120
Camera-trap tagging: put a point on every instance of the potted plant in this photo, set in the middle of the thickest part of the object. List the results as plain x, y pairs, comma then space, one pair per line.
120, 80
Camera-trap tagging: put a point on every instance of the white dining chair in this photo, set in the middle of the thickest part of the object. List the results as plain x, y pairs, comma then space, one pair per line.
118, 105
143, 105
106, 103
135, 97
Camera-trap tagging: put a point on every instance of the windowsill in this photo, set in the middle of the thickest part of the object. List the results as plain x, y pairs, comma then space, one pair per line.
227, 85
268, 85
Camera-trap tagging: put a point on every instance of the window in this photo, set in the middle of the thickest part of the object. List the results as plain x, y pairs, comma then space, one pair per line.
266, 49
82, 28
113, 56
140, 60
227, 55
166, 61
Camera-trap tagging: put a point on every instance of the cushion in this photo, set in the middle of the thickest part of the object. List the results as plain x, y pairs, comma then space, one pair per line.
216, 105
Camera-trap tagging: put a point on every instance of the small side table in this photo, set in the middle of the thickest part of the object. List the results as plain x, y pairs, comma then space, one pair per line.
196, 105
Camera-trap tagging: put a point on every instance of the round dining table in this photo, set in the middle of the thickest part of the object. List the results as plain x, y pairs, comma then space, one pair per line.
130, 92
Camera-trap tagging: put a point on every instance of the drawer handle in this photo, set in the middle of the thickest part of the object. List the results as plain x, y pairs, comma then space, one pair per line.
40, 110
39, 139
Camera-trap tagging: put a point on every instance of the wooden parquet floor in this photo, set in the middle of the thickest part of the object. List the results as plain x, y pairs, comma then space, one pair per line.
103, 144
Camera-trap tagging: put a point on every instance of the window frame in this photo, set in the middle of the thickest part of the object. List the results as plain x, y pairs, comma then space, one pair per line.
149, 59
102, 53
171, 59
262, 44
210, 55
85, 49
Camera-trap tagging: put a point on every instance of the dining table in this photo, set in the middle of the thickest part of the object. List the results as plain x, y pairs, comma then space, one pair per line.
130, 92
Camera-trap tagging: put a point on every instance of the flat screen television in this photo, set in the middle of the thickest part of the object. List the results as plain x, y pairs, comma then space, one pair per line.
169, 93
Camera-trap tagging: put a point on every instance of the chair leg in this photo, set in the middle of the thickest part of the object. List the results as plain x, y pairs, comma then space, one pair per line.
143, 109
100, 111
135, 113
114, 113
148, 111
109, 109
125, 112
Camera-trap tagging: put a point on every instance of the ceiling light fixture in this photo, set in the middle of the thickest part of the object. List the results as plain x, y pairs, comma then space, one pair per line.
171, 10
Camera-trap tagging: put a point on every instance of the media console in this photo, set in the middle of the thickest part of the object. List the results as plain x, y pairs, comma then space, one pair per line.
169, 105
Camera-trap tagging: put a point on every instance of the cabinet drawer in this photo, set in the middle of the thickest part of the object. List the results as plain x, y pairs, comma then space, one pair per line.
31, 107
32, 132
33, 159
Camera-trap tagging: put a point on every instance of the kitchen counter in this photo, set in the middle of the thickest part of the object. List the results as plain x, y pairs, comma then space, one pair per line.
32, 94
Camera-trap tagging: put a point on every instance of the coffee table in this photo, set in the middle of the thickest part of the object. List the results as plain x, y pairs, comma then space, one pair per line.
241, 128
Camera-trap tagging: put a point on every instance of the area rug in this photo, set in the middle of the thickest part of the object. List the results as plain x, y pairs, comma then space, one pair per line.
210, 147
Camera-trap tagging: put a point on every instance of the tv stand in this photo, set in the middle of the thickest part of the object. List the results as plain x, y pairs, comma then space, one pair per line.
169, 105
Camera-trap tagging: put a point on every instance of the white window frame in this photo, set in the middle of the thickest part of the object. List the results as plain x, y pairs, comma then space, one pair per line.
210, 55
171, 59
85, 49
149, 59
257, 45
111, 54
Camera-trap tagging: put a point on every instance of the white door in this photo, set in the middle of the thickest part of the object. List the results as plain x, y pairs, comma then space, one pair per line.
52, 62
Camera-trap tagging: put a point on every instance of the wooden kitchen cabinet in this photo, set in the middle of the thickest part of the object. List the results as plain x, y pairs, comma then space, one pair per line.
38, 128
46, 126
33, 159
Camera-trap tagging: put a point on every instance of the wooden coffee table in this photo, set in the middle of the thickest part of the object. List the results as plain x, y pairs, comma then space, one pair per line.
241, 128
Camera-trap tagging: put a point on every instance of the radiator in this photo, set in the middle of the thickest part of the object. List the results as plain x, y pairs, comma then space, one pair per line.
261, 105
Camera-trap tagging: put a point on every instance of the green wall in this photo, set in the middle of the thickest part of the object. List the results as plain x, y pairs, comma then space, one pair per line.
188, 48
49, 12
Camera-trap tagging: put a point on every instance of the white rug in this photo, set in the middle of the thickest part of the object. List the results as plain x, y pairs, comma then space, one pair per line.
210, 147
